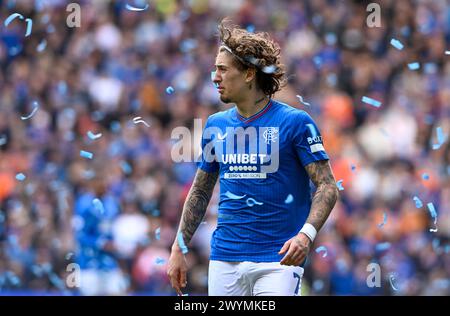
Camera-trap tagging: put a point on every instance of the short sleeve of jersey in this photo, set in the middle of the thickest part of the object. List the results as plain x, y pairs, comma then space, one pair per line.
208, 163
308, 140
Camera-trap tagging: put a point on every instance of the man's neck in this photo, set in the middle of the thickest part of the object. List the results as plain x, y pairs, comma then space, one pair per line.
253, 105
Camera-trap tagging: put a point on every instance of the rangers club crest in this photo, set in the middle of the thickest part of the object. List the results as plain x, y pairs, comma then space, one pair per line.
270, 135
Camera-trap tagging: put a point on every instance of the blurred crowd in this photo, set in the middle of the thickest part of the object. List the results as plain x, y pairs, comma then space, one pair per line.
111, 220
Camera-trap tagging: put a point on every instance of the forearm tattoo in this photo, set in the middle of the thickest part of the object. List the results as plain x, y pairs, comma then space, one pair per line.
326, 194
194, 208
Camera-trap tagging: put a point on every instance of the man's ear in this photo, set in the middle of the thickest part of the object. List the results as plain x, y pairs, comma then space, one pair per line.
250, 74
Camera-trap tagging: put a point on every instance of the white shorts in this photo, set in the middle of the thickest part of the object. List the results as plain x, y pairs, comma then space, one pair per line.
253, 279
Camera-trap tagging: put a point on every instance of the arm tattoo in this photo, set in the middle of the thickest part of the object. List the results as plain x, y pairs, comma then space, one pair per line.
326, 194
196, 203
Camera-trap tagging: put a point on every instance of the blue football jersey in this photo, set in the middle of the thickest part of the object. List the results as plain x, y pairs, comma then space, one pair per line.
265, 195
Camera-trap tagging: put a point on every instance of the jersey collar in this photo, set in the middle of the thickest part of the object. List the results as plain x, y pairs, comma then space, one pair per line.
247, 120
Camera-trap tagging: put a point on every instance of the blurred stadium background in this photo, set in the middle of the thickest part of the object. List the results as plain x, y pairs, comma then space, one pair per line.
118, 65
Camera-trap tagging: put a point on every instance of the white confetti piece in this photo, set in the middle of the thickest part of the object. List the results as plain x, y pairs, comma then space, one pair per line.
233, 196
35, 108
391, 281
138, 120
252, 202
300, 98
98, 205
93, 136
133, 8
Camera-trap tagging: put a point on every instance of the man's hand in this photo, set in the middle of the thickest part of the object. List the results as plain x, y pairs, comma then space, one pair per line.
177, 268
297, 249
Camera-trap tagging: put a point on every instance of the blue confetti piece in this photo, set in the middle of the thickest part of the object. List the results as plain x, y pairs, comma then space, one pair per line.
115, 127
289, 199
371, 101
432, 210
435, 243
170, 90
13, 51
62, 88
425, 176
317, 61
13, 278
98, 205
133, 8
391, 281
36, 270
382, 246
158, 233
300, 98
418, 202
384, 220
397, 44
160, 261
213, 75
252, 202
50, 28
42, 45
352, 167
441, 138
233, 196
181, 243
3, 140
440, 135
29, 27
86, 154
56, 281
250, 28
322, 249
339, 185
93, 136
10, 18
20, 176
428, 119
413, 66
36, 107
45, 19
126, 168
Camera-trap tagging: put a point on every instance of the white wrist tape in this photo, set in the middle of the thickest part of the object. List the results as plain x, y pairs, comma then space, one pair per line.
309, 231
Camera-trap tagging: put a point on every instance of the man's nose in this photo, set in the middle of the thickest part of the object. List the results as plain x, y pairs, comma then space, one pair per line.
215, 77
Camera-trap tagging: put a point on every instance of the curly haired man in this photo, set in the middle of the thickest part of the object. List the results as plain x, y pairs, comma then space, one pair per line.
265, 153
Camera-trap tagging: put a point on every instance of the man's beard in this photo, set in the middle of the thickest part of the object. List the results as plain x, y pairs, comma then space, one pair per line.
225, 99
